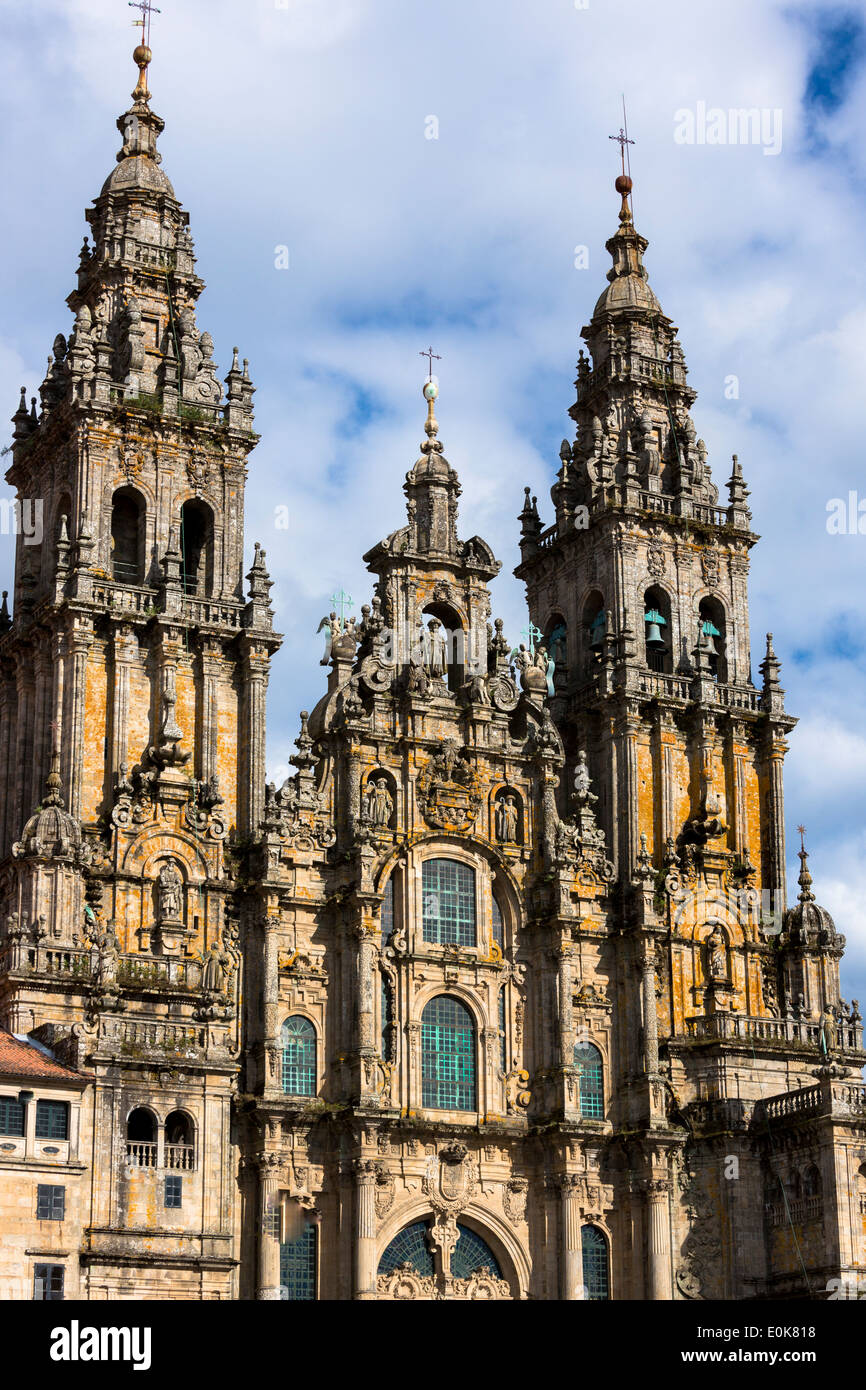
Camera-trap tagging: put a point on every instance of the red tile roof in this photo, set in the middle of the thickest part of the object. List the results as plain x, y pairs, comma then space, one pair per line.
19, 1058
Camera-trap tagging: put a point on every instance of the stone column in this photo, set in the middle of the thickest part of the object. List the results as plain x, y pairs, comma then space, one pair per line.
365, 1228
776, 751
7, 725
72, 775
268, 1289
366, 1016
251, 781
271, 1000
566, 1030
629, 838
650, 1014
125, 652
211, 650
572, 1246
658, 1239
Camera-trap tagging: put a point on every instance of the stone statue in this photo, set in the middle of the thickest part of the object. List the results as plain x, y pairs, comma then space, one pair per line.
170, 889
582, 780
379, 803
717, 965
435, 651
215, 967
107, 954
827, 1033
506, 820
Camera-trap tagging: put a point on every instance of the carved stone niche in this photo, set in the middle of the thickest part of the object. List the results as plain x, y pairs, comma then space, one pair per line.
169, 930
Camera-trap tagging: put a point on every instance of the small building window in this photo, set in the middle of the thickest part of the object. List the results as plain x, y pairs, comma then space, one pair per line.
298, 1267
50, 1202
52, 1119
596, 1280
299, 1057
173, 1191
48, 1283
11, 1117
447, 1056
448, 902
588, 1061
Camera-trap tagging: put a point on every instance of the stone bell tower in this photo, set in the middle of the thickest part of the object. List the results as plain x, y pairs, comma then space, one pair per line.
132, 688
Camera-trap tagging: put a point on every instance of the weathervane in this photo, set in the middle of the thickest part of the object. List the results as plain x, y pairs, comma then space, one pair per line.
801, 831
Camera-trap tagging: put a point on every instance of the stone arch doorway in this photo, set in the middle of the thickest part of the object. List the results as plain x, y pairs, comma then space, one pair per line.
442, 1259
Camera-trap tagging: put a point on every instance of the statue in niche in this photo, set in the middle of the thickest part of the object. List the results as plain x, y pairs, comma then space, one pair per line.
507, 819
379, 803
170, 891
827, 1034
435, 651
717, 964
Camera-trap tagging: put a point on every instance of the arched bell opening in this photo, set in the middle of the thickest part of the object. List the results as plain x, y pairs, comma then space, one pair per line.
713, 637
658, 644
443, 643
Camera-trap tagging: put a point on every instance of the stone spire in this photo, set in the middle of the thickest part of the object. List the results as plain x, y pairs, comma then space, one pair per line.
432, 489
634, 428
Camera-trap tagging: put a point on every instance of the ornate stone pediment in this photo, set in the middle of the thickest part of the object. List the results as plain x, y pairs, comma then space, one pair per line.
449, 791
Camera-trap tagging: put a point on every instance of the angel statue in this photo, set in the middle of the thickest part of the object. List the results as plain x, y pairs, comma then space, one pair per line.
331, 624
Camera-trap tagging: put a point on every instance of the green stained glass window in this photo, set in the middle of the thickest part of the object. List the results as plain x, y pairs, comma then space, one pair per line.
596, 1282
447, 1056
299, 1057
409, 1246
470, 1254
448, 893
298, 1267
587, 1059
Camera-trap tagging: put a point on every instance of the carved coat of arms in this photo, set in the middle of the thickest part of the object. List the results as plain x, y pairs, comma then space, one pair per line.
449, 791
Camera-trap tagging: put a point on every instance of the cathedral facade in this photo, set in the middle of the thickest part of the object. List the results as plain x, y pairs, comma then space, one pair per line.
499, 995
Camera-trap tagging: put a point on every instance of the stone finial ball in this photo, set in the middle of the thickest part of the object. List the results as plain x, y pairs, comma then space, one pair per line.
623, 184
142, 55
431, 390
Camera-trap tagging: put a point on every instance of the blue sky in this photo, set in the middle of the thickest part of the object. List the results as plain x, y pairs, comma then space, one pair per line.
304, 125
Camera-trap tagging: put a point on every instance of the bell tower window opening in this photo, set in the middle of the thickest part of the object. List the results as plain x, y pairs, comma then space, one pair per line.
444, 645
196, 543
658, 642
127, 537
713, 637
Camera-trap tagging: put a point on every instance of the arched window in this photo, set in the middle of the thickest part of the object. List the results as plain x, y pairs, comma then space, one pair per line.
590, 1067
472, 1254
298, 1266
448, 902
387, 918
196, 543
447, 1056
594, 627
127, 536
812, 1182
141, 1138
179, 1141
299, 1056
410, 1247
713, 636
658, 645
496, 924
596, 1280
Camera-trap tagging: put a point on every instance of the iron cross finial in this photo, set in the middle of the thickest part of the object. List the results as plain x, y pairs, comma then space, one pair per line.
801, 831
147, 9
430, 354
622, 140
